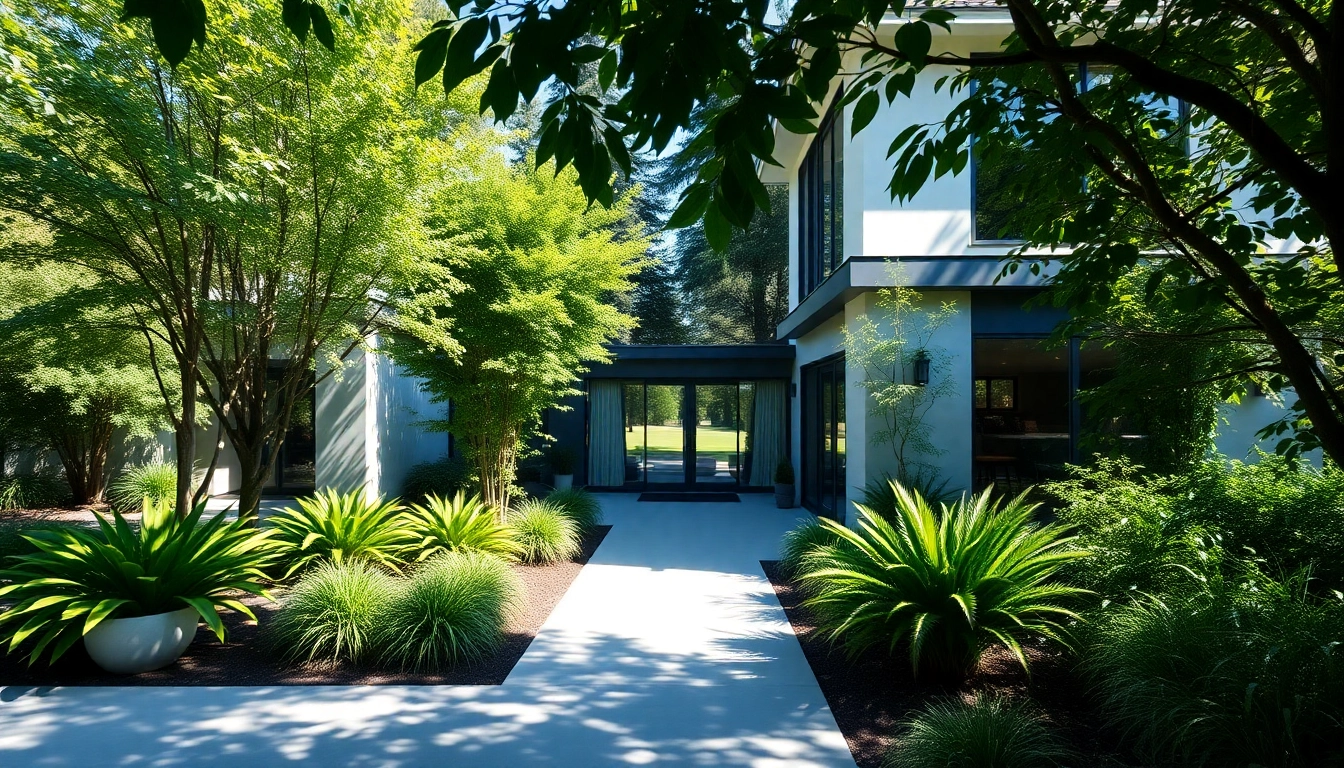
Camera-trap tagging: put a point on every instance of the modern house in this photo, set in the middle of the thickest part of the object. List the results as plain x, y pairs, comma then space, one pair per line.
722, 417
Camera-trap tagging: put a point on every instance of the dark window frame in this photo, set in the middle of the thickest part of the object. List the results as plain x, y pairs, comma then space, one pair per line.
825, 154
989, 388
812, 441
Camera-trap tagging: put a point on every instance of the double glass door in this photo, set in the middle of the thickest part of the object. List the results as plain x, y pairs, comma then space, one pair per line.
685, 435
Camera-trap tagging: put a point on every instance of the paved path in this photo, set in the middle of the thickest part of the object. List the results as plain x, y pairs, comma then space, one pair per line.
669, 648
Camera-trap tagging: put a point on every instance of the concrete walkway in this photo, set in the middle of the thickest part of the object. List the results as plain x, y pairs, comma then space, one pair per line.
670, 647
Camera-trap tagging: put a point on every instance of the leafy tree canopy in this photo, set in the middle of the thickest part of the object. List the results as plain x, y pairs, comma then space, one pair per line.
520, 301
1259, 81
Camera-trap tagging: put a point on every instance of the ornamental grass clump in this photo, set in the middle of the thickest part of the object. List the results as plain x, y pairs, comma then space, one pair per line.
544, 533
156, 481
333, 613
452, 611
989, 732
946, 584
79, 577
339, 527
1245, 671
441, 525
578, 505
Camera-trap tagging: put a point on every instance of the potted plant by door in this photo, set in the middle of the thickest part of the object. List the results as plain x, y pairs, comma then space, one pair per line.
134, 597
562, 464
784, 485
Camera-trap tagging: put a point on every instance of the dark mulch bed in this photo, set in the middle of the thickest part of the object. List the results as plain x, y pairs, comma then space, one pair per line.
872, 694
246, 660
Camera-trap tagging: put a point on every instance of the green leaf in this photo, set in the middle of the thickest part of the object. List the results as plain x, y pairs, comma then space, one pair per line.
718, 231
462, 62
295, 15
101, 612
433, 50
693, 203
606, 70
207, 611
864, 111
322, 27
913, 40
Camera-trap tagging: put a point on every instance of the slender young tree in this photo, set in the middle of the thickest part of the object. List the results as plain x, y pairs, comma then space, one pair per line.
519, 306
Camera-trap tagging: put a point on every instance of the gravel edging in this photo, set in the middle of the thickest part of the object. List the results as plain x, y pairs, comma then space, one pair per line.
871, 694
245, 659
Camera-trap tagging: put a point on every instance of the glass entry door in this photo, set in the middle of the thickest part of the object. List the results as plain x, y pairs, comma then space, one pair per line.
715, 437
665, 434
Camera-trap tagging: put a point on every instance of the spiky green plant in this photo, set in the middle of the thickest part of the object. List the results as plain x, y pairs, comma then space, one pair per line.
947, 584
543, 532
452, 611
334, 613
989, 732
802, 541
80, 578
156, 481
441, 525
578, 505
341, 526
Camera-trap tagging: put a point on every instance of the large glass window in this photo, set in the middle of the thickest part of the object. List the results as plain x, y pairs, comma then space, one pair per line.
821, 205
824, 437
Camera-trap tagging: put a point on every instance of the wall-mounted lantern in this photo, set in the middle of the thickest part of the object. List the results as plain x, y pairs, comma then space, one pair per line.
921, 369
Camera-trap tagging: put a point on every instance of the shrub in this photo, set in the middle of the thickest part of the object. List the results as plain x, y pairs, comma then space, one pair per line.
335, 526
442, 477
989, 732
946, 584
156, 481
333, 613
441, 526
1147, 532
784, 473
579, 506
82, 577
544, 533
39, 490
453, 611
563, 460
1244, 673
1141, 536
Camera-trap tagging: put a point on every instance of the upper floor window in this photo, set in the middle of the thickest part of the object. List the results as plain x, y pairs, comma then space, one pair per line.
821, 206
994, 199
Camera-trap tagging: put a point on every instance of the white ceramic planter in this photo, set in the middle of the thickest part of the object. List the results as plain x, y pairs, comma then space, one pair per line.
131, 646
564, 482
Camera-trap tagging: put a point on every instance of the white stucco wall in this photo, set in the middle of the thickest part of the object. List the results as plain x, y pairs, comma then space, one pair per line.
403, 441
346, 426
1238, 423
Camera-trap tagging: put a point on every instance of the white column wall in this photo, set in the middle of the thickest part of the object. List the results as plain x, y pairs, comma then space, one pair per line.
347, 426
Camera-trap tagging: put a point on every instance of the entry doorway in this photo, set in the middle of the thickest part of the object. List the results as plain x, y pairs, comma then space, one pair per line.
686, 435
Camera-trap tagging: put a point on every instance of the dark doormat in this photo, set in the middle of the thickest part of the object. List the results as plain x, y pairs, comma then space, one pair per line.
685, 496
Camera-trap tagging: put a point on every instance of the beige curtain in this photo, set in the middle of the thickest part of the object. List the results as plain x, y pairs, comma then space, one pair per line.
606, 434
767, 424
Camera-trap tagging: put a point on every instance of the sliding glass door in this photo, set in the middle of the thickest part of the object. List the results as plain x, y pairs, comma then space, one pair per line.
685, 434
824, 437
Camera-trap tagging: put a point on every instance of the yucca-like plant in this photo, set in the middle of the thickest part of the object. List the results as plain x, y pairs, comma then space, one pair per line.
156, 481
543, 532
342, 526
802, 542
452, 611
441, 525
81, 577
990, 732
578, 505
947, 584
334, 613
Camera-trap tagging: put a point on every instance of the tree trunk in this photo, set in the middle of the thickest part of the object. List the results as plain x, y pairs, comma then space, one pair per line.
253, 471
83, 447
184, 438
